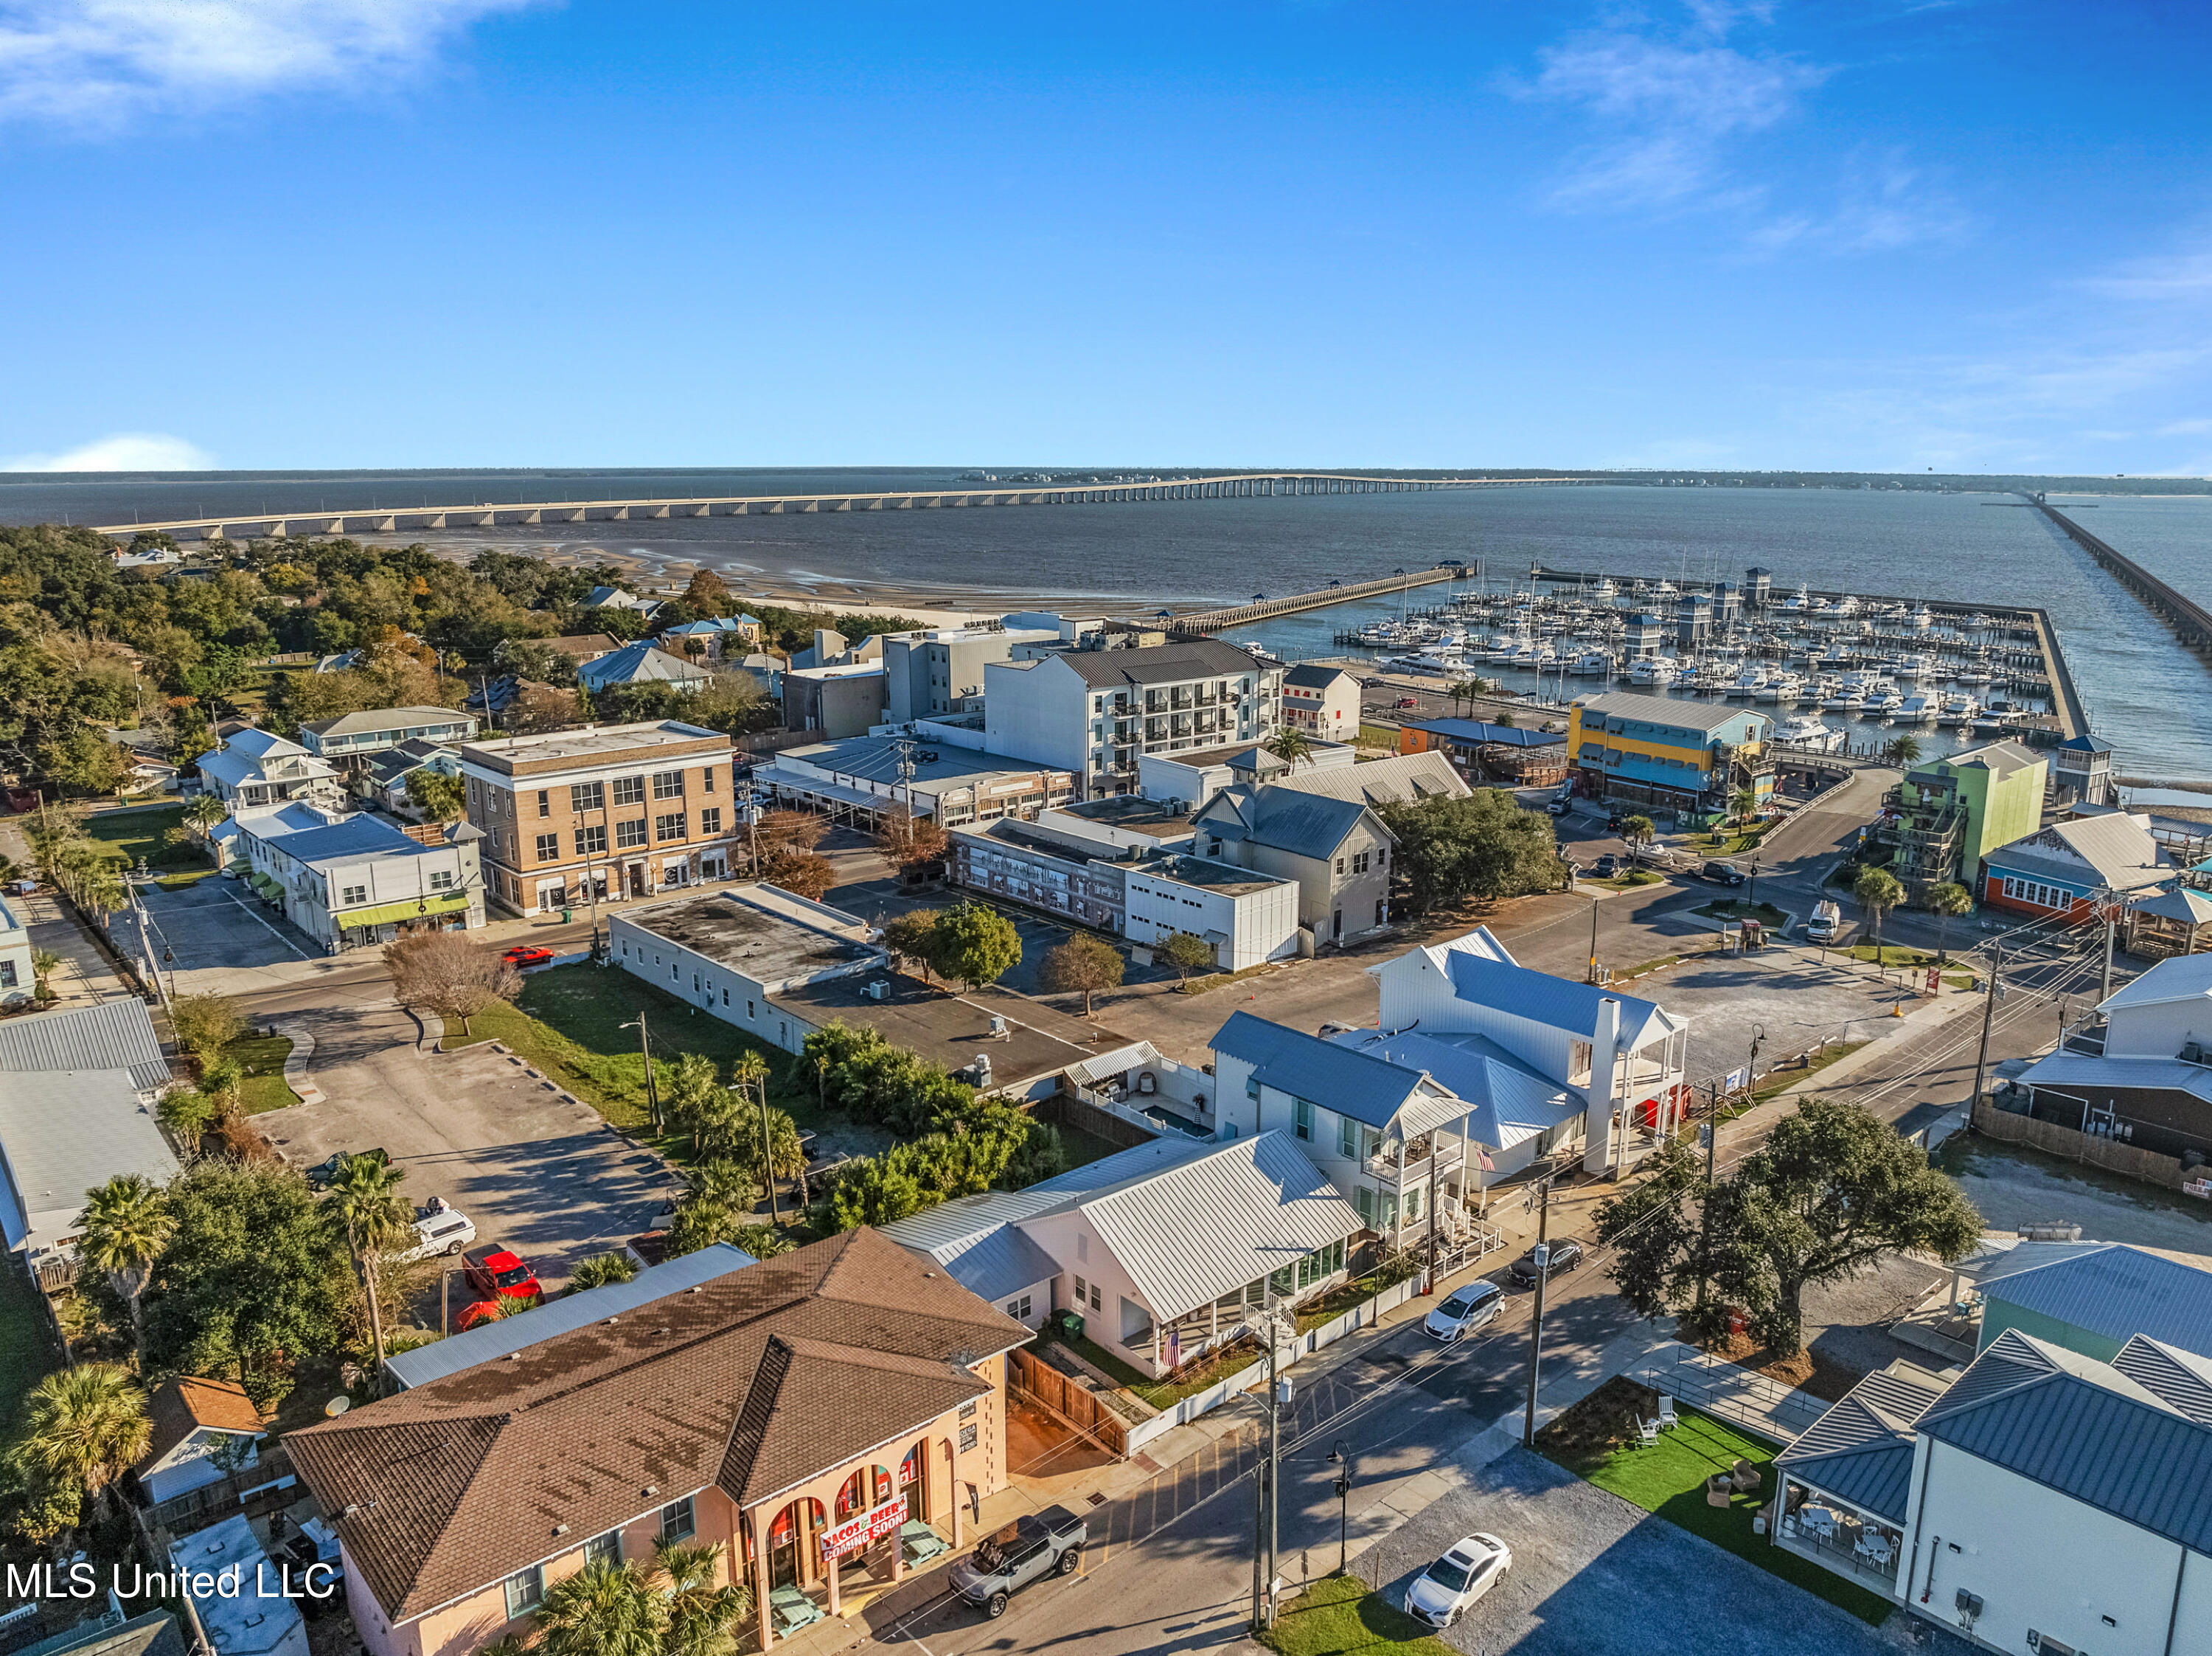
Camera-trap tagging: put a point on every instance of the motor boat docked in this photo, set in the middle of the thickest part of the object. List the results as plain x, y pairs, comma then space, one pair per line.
1591, 664
1917, 709
1783, 688
1809, 734
1958, 712
1659, 671
1845, 701
1746, 684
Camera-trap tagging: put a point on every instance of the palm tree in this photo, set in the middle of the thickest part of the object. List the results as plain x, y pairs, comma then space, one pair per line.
1745, 799
86, 1426
1947, 900
703, 1618
364, 1205
1465, 690
696, 1099
718, 1201
604, 1609
601, 1270
44, 964
127, 1223
1290, 746
1878, 888
1904, 749
204, 813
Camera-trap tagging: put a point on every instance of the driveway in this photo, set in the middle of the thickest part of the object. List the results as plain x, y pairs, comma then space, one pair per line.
223, 940
537, 1172
1594, 1576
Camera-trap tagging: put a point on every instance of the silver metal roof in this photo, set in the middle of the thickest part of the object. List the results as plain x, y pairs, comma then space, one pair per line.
110, 1034
62, 1133
564, 1315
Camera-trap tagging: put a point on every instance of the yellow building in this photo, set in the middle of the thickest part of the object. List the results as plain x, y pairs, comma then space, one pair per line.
1683, 756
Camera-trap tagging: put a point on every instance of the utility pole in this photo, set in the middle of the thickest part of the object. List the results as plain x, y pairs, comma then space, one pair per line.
1988, 1016
1592, 978
1536, 1322
1712, 1133
768, 1158
1267, 1478
644, 1051
1435, 1149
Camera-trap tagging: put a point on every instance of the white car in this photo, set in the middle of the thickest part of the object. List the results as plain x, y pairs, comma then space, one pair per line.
1474, 1305
1442, 1592
440, 1229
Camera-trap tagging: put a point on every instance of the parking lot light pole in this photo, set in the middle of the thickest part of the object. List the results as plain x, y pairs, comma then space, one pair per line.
1340, 1456
645, 1050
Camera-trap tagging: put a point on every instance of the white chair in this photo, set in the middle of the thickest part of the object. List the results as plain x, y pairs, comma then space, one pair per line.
1668, 1418
1647, 1432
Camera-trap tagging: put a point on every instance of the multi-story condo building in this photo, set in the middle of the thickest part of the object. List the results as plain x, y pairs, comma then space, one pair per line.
940, 670
1953, 811
352, 738
1096, 712
1678, 756
608, 811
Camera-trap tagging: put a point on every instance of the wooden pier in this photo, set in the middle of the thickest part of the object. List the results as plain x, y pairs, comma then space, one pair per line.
2191, 622
1213, 620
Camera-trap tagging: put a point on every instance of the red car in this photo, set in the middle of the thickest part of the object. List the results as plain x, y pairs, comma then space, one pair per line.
1409, 701
501, 1272
527, 954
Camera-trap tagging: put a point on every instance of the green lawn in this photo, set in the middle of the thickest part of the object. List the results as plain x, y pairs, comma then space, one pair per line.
1339, 1617
260, 1059
567, 1021
26, 1353
131, 835
1765, 914
1668, 1479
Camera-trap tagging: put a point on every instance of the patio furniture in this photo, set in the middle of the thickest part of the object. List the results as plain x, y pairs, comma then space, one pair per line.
1719, 1490
792, 1610
1819, 1520
1668, 1418
1874, 1546
1746, 1477
1647, 1432
920, 1543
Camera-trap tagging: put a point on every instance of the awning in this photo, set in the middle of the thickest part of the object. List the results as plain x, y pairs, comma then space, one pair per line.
269, 888
415, 908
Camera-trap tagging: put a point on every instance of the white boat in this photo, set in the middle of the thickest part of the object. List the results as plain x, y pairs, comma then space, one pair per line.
1922, 617
1605, 589
1798, 602
1746, 684
1784, 688
1653, 670
1917, 709
1883, 704
1976, 674
1845, 701
1958, 711
1808, 733
1591, 664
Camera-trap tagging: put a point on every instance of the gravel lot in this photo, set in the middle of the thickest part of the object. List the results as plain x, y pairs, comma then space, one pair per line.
2014, 1186
1593, 1576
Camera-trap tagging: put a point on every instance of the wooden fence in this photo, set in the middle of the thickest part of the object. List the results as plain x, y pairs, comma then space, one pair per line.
1069, 1400
2115, 1155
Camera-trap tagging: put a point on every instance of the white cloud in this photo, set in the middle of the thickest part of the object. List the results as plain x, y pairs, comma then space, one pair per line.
1670, 104
2178, 276
1883, 204
101, 61
122, 451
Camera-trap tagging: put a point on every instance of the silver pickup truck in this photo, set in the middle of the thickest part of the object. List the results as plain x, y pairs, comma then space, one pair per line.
1049, 1542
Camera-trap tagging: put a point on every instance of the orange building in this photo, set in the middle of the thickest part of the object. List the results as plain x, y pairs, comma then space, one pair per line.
814, 1418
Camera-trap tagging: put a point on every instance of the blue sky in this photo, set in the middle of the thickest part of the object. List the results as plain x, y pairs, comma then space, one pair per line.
354, 233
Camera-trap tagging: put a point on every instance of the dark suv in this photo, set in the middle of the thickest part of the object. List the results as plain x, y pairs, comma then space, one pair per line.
1722, 873
1034, 1545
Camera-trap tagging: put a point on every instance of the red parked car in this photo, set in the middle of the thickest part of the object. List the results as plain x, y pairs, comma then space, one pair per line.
501, 1272
527, 954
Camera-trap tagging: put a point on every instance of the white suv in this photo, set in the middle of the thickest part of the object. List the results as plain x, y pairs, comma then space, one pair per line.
440, 1229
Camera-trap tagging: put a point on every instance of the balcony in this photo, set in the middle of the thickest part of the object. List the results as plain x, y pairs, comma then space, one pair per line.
1383, 1164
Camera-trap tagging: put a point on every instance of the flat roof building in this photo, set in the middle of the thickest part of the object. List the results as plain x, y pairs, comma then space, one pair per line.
865, 777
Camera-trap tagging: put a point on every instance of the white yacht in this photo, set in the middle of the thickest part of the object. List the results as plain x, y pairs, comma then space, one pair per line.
1958, 711
1659, 671
1883, 701
1922, 616
1591, 664
1782, 689
1746, 684
1809, 733
1844, 701
1605, 591
1918, 708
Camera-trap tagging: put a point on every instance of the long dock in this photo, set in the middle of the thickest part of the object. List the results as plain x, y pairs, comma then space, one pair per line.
2190, 621
1210, 621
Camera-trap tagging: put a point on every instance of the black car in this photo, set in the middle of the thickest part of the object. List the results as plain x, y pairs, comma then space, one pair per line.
1606, 866
1565, 1253
319, 1175
1612, 822
1722, 873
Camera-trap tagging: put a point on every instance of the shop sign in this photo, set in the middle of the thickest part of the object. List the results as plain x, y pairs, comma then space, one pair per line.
864, 1529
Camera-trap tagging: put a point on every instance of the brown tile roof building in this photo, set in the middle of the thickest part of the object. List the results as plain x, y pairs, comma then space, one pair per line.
183, 1407
755, 1381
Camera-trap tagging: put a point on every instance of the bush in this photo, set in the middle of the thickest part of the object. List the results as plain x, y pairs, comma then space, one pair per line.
206, 1024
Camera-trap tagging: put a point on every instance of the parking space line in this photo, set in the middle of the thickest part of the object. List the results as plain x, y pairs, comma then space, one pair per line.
269, 928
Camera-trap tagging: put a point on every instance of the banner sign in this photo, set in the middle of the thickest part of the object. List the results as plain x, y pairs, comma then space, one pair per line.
864, 1529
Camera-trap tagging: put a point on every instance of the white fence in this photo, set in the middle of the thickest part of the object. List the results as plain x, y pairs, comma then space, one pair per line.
1732, 1392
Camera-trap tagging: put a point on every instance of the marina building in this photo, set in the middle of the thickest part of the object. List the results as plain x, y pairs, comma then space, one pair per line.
1683, 756
2083, 773
609, 812
1953, 811
2065, 869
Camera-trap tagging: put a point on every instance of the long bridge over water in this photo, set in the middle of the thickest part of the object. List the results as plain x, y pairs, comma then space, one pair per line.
488, 514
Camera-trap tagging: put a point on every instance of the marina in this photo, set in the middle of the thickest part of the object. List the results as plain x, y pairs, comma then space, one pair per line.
1837, 671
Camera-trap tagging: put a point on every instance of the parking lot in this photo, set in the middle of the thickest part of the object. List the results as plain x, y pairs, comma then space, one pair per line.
1593, 1575
225, 940
537, 1172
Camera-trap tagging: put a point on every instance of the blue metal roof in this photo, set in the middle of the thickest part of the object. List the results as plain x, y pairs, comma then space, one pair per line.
1476, 729
1557, 1003
358, 836
2131, 1458
1510, 1101
1368, 1089
2118, 1292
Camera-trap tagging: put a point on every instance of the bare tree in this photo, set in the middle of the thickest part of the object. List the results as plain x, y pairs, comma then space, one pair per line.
443, 972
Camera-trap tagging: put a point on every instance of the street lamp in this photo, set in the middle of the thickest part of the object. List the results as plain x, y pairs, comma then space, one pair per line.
1339, 1456
1751, 900
645, 1050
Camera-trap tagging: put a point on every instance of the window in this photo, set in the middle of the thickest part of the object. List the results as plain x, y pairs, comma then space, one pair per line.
544, 802
1083, 1247
1095, 1305
1019, 1309
591, 841
1340, 865
354, 896
1301, 1119
629, 789
1082, 1293
1414, 1203
7, 974
1359, 862
604, 1548
668, 827
525, 1591
628, 834
678, 1521
588, 796
668, 785
1252, 1087
1347, 1136
548, 847
710, 820
1365, 1204
442, 882
707, 778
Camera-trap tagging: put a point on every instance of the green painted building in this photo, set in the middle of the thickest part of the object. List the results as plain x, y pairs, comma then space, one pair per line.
2096, 1299
1953, 811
